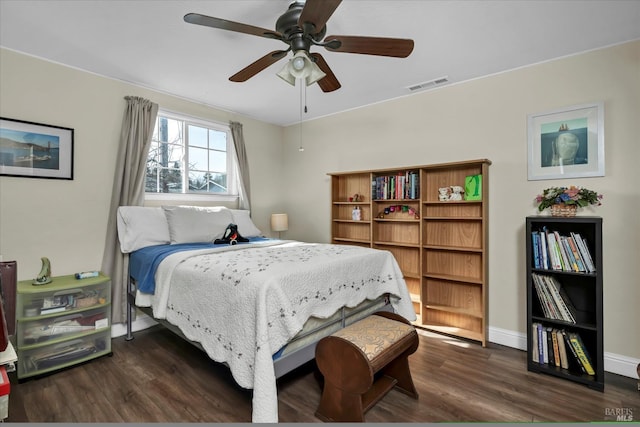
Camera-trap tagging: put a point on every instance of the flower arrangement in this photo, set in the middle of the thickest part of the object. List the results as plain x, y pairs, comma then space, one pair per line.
573, 195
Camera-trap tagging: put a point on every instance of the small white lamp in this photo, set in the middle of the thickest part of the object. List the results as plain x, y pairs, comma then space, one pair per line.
279, 222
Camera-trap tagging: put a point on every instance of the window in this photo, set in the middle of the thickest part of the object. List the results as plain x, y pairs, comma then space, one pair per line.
190, 156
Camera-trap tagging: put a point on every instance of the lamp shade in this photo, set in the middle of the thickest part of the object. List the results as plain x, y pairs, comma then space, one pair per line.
301, 67
279, 222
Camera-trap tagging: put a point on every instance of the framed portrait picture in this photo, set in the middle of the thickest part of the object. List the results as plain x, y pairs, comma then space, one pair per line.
35, 150
566, 143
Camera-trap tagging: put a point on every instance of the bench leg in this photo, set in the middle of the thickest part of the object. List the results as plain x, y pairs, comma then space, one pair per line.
339, 405
399, 369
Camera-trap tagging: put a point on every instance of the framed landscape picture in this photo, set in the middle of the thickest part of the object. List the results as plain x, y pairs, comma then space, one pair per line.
35, 150
566, 143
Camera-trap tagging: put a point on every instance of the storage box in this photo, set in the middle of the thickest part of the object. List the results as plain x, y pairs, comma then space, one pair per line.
5, 387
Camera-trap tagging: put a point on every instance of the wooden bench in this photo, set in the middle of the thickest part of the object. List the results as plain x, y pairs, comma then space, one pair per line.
362, 362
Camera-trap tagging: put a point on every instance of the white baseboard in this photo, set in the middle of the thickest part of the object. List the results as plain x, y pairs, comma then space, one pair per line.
614, 363
508, 338
621, 365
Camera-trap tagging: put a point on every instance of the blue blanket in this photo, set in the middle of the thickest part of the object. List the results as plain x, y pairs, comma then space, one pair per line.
144, 262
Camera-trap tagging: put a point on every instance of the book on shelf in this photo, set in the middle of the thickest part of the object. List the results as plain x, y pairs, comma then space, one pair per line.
564, 259
545, 346
554, 254
553, 309
572, 351
540, 329
554, 300
567, 305
553, 347
543, 249
560, 298
534, 343
564, 363
570, 255
581, 352
535, 242
559, 348
576, 253
542, 297
588, 254
561, 252
573, 265
584, 251
395, 187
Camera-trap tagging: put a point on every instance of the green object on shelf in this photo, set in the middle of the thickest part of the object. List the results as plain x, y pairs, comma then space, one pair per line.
473, 187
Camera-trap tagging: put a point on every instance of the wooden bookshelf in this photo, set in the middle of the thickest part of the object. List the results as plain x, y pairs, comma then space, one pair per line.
441, 246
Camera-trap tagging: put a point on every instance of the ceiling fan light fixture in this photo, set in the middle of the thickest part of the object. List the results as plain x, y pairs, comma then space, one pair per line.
301, 67
298, 63
285, 75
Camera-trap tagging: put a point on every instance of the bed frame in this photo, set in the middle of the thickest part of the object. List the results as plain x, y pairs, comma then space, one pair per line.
283, 364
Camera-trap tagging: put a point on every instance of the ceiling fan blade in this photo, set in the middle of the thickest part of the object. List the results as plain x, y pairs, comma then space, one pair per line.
382, 46
254, 68
317, 12
223, 24
328, 83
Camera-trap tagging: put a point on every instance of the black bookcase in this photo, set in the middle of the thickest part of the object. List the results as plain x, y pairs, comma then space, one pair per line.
582, 288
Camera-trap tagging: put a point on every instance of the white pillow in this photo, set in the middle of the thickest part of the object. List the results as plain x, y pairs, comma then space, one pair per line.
140, 226
193, 224
246, 227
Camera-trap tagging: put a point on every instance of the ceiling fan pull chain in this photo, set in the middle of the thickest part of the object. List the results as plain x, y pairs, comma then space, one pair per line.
303, 102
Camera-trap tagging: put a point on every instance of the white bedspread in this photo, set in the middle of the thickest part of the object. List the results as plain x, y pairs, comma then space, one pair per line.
244, 302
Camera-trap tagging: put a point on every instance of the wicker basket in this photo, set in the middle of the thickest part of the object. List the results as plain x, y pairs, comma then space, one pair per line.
560, 209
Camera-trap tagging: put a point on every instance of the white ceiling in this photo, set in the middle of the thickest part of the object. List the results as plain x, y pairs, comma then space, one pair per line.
147, 43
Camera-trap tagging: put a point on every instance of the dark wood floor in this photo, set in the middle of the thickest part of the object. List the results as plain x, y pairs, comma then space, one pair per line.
159, 378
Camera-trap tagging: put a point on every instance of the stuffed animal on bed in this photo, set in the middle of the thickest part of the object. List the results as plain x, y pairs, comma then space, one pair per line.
231, 236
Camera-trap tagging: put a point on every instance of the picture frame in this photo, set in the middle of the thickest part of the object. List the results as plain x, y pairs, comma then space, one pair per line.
35, 150
566, 143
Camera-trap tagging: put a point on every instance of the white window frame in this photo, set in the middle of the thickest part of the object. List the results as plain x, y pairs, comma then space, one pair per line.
233, 177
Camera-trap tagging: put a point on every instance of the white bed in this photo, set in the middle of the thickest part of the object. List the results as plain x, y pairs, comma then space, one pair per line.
260, 307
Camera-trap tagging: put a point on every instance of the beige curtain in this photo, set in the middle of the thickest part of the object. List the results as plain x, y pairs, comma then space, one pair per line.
128, 190
244, 201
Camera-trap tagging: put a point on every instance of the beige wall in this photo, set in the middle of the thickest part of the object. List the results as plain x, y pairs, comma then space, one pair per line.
487, 118
65, 220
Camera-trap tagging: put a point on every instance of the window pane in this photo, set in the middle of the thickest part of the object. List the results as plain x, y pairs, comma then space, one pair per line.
217, 140
173, 131
151, 184
205, 182
218, 183
218, 161
152, 157
176, 152
197, 136
198, 159
163, 180
170, 180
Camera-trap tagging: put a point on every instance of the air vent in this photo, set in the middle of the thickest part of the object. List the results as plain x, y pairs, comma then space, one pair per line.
429, 84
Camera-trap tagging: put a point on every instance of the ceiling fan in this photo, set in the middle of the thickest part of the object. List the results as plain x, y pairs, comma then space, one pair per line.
300, 27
